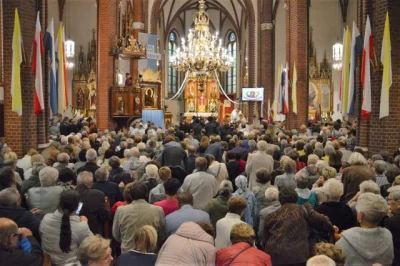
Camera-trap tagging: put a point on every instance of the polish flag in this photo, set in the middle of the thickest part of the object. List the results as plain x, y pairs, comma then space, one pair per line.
38, 50
366, 71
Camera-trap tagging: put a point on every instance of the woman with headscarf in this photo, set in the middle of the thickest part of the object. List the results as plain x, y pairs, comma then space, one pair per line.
244, 192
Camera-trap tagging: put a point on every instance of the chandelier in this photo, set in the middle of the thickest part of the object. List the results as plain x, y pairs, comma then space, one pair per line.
202, 53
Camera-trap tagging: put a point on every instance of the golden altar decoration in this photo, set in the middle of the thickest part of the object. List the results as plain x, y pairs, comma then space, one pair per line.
197, 101
320, 92
84, 81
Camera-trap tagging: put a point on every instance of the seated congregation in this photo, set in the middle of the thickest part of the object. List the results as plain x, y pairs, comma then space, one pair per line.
218, 196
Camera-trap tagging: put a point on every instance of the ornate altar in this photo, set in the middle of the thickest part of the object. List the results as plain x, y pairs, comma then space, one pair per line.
320, 92
201, 102
84, 88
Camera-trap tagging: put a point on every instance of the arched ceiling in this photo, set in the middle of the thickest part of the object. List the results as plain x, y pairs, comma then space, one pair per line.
233, 11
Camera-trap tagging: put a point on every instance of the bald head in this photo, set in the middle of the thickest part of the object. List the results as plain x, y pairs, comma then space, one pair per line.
63, 158
7, 229
191, 150
201, 164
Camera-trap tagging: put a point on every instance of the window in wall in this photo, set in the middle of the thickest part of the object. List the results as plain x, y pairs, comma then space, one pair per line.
231, 74
172, 73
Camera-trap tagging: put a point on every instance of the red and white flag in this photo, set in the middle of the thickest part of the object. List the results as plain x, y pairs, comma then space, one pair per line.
38, 49
366, 71
286, 91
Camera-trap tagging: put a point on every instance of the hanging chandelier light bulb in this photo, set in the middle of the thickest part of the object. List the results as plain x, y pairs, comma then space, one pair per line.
201, 52
337, 55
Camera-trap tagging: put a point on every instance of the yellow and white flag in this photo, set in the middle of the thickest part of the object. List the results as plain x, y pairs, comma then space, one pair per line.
16, 67
386, 59
294, 89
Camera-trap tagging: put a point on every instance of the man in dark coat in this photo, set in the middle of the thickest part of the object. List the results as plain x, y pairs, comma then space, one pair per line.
211, 127
215, 148
225, 130
10, 207
90, 166
14, 245
191, 160
110, 189
93, 203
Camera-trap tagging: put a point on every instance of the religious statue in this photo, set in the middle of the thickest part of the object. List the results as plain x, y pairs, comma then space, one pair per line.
80, 99
214, 93
191, 93
202, 99
128, 80
137, 105
92, 99
213, 106
120, 108
149, 98
191, 107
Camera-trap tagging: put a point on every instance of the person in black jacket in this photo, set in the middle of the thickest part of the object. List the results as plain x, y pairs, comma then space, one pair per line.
90, 166
393, 223
110, 189
211, 127
17, 246
93, 203
339, 213
225, 130
10, 207
117, 173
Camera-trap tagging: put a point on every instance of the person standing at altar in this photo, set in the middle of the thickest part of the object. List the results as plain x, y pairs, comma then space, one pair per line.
235, 115
211, 127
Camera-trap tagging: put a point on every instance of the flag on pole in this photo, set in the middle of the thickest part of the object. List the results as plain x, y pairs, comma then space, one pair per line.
38, 49
16, 105
275, 104
356, 47
62, 92
294, 89
386, 59
346, 69
286, 91
366, 71
342, 73
49, 45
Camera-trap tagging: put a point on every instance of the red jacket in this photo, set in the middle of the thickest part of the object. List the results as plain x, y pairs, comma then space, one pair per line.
251, 256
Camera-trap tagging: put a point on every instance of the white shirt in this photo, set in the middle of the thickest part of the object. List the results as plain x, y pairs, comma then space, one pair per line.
235, 115
224, 228
25, 163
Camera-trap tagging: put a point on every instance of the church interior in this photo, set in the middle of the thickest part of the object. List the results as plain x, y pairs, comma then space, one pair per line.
169, 60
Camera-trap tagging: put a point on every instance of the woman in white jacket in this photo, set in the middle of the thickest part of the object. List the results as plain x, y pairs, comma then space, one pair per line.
63, 231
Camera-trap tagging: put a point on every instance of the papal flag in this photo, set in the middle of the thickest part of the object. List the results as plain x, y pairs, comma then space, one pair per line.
38, 50
16, 105
386, 59
366, 71
62, 89
346, 71
294, 89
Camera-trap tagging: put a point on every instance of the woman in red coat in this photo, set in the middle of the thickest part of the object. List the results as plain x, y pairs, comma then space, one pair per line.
242, 252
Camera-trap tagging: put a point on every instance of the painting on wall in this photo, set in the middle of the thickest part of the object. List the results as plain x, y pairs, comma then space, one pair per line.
149, 96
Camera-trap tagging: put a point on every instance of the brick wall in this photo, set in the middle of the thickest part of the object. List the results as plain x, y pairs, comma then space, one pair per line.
382, 134
297, 27
21, 132
106, 31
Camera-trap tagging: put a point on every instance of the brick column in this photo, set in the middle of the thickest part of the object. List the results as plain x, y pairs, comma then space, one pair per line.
382, 134
106, 32
297, 30
266, 50
21, 132
138, 16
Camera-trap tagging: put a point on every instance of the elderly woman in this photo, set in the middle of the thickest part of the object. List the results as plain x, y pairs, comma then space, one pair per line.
11, 159
263, 182
334, 252
369, 243
257, 160
380, 167
63, 231
304, 193
327, 173
190, 245
242, 251
244, 192
354, 175
145, 243
95, 251
46, 197
218, 207
151, 178
272, 196
158, 192
288, 178
218, 168
33, 181
366, 186
339, 213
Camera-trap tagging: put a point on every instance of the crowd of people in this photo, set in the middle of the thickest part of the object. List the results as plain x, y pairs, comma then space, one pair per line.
199, 193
